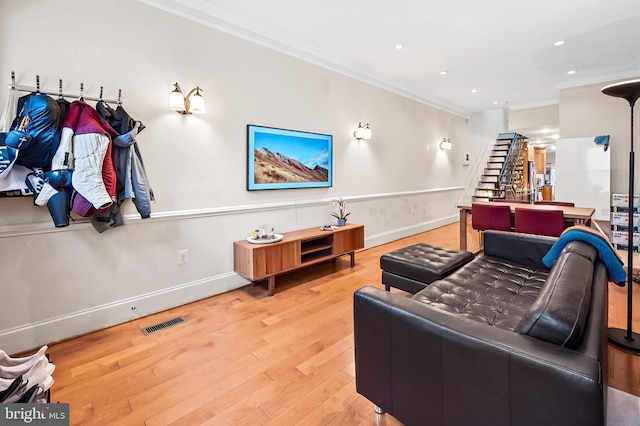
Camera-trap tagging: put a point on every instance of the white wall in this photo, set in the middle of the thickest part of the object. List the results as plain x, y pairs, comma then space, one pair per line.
586, 112
57, 283
528, 119
583, 174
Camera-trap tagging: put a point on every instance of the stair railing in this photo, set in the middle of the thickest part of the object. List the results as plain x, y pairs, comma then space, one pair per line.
505, 185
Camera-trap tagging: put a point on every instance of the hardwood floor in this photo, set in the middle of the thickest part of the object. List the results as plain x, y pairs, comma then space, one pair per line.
248, 359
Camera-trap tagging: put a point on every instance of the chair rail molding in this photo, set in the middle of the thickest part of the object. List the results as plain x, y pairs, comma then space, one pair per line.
18, 230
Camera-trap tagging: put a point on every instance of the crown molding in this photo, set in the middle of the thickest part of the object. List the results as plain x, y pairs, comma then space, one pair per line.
220, 19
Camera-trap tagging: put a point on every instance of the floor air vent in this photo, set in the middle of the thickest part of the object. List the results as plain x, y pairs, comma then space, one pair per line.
163, 325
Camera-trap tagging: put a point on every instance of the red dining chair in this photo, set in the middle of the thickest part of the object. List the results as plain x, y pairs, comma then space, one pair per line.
540, 222
489, 216
509, 200
567, 223
555, 203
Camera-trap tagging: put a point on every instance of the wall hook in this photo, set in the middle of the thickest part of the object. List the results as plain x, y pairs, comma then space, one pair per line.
37, 84
60, 87
82, 91
100, 93
13, 78
119, 96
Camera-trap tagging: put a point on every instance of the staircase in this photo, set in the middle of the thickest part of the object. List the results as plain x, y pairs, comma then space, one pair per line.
503, 175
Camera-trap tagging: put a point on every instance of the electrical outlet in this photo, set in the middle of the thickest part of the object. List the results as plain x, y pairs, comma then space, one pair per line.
183, 256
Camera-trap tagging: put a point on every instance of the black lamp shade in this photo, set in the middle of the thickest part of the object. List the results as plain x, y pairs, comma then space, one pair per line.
629, 90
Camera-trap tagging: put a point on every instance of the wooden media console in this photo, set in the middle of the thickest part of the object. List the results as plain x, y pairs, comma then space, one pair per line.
296, 250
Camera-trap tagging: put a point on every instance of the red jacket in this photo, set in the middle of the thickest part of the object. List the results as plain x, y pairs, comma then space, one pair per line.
94, 177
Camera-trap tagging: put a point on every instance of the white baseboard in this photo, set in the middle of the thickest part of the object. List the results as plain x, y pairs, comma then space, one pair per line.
34, 335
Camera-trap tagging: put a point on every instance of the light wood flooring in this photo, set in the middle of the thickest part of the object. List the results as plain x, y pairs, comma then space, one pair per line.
248, 359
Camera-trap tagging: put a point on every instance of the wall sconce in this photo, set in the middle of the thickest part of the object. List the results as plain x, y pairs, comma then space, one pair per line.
362, 132
445, 144
192, 103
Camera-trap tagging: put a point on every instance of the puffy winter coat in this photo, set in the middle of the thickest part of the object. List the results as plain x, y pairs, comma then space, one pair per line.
35, 131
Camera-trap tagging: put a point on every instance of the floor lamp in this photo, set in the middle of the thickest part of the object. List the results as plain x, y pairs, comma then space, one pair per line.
627, 339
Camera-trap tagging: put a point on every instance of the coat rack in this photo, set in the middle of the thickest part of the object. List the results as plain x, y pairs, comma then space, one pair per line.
59, 93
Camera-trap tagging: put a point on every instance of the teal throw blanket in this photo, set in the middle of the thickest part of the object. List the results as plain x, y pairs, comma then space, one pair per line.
607, 254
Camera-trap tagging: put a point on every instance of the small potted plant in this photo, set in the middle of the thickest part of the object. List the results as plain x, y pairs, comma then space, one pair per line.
341, 213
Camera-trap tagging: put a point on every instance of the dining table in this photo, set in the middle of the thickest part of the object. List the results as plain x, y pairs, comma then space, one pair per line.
573, 215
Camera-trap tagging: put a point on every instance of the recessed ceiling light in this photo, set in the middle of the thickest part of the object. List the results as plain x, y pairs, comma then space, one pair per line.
474, 90
559, 43
571, 72
399, 46
496, 102
444, 72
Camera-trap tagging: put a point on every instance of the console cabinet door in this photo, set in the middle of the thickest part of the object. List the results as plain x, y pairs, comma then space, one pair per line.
273, 259
348, 240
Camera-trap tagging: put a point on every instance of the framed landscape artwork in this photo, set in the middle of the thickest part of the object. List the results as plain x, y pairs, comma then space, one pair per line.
285, 159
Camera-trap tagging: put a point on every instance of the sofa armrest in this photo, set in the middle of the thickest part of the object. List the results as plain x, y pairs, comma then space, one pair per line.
426, 366
524, 249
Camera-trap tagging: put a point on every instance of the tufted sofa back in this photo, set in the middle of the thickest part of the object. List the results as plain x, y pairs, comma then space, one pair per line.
560, 311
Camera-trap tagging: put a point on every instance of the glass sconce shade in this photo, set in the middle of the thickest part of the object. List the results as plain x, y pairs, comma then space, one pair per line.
197, 103
176, 100
367, 132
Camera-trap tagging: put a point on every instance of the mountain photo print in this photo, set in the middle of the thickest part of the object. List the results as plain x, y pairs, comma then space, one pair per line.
280, 159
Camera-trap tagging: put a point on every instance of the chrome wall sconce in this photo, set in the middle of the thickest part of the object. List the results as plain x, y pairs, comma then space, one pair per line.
362, 132
192, 103
445, 144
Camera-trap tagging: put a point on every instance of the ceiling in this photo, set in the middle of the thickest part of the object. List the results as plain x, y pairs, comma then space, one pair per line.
497, 53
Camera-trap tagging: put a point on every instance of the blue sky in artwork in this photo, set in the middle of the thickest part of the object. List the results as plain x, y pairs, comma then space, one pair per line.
307, 150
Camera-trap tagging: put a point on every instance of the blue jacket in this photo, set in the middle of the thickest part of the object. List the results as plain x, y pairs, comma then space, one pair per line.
35, 131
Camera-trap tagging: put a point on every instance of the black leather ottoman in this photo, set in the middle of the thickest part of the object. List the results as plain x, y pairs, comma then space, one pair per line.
414, 267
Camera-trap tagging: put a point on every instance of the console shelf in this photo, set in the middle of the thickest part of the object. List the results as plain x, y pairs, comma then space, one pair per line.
309, 246
296, 250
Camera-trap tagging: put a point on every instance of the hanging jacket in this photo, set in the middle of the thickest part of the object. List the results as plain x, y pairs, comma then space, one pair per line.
85, 140
131, 176
35, 131
91, 140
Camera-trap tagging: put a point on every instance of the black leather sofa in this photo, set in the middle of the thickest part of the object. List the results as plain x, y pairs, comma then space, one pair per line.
502, 341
